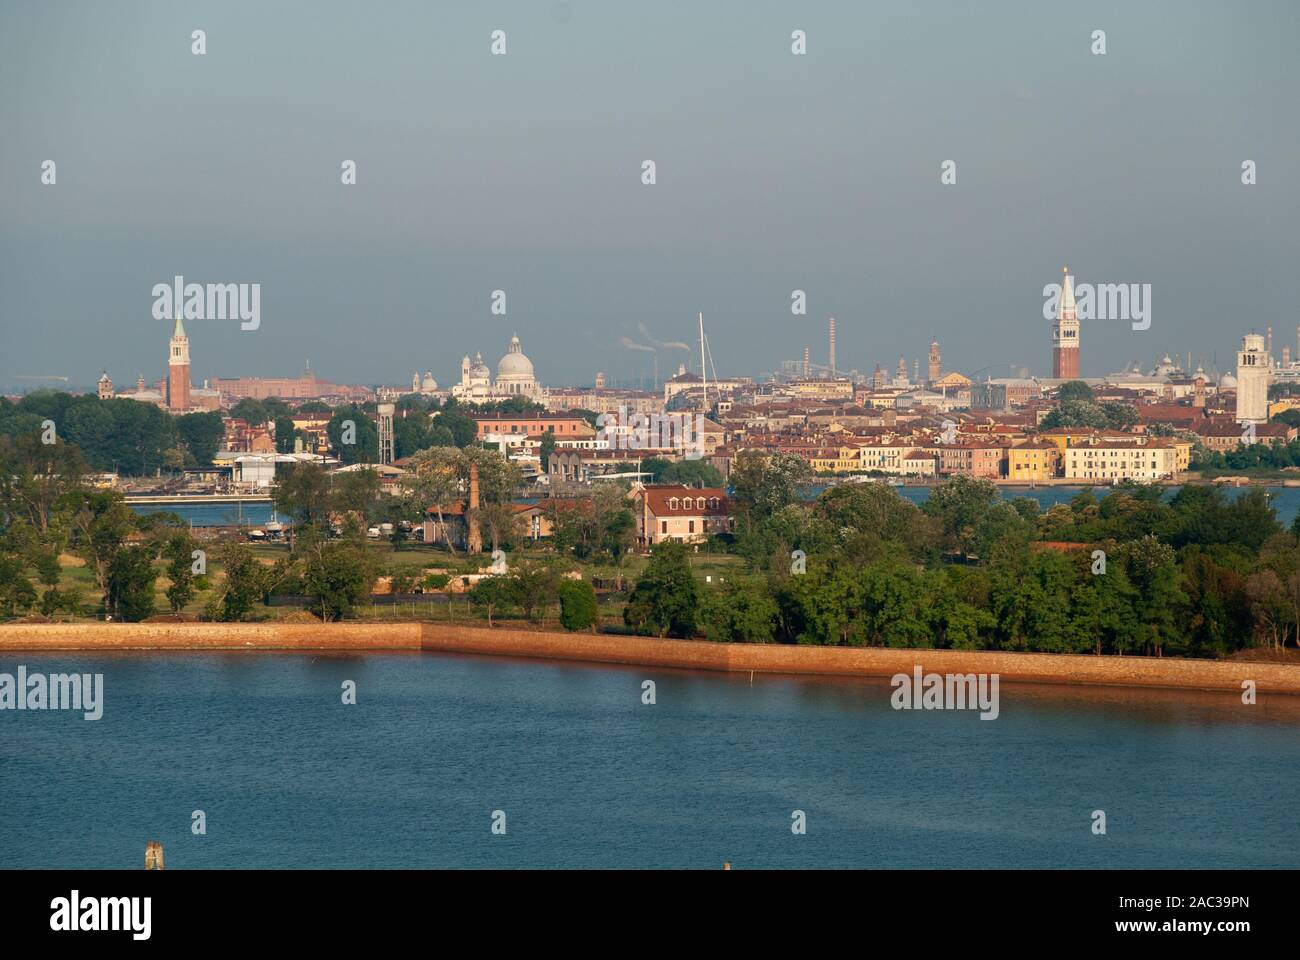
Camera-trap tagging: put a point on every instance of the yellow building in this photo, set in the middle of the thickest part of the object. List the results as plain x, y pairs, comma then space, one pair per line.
1280, 405
1032, 461
1182, 453
836, 460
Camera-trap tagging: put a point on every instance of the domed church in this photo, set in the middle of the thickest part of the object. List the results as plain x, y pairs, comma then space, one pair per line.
515, 372
515, 378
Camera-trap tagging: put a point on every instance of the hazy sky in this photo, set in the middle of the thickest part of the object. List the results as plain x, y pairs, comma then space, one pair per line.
523, 172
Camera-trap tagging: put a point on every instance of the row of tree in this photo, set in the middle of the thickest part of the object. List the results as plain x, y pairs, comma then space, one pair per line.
114, 435
1197, 574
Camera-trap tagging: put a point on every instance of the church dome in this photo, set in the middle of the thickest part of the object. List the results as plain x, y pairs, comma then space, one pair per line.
514, 365
1227, 382
478, 369
428, 383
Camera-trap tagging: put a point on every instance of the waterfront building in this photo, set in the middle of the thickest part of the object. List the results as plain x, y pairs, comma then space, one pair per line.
920, 463
1148, 459
1032, 460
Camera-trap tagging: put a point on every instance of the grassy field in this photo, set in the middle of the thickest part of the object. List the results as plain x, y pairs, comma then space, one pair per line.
411, 556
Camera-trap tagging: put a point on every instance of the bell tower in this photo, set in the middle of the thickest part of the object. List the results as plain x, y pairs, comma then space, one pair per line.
178, 369
1065, 333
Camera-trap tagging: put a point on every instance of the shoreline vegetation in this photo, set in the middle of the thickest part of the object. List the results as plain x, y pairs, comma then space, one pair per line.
558, 645
1122, 572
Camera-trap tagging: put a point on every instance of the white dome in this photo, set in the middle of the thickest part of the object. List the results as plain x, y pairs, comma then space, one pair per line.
428, 383
514, 365
1228, 382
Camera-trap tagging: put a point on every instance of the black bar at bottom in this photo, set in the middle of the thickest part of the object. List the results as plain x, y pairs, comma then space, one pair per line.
737, 907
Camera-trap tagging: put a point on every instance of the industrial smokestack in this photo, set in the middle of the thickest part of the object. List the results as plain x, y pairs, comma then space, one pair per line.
832, 350
473, 536
807, 362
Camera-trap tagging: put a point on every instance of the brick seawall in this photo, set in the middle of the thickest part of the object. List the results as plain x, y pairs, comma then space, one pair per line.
1170, 672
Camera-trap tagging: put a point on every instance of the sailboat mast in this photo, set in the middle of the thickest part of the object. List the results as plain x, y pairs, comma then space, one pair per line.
704, 370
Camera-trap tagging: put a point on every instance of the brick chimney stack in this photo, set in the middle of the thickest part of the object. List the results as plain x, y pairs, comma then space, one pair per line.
473, 538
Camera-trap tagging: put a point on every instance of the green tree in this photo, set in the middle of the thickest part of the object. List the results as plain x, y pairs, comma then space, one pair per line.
763, 483
961, 505
535, 585
351, 423
432, 481
547, 450
100, 529
285, 435
578, 609
339, 577
304, 493
493, 593
354, 495
246, 581
739, 610
16, 591
178, 551
1153, 571
131, 578
666, 595
1074, 390
201, 434
250, 411
461, 426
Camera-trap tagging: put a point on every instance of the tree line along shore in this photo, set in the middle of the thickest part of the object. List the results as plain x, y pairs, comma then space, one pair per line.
1120, 571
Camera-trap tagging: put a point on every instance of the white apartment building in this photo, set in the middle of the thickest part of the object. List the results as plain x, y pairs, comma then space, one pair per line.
885, 457
1108, 461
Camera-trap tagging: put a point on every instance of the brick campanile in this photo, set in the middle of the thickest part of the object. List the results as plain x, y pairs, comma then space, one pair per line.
1065, 334
178, 369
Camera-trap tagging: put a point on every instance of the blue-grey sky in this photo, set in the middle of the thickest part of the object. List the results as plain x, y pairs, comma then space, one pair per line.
523, 172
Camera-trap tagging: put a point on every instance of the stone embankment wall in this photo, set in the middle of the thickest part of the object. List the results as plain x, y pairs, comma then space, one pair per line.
1171, 672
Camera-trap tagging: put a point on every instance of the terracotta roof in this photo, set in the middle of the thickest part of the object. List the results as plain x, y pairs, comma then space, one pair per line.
660, 499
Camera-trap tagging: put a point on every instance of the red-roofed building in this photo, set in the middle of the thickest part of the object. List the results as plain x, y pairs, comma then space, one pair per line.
680, 513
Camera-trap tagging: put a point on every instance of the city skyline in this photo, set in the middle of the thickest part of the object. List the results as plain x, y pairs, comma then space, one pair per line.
819, 173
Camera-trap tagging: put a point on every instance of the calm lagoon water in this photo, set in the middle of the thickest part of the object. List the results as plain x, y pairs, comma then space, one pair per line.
1285, 499
588, 776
